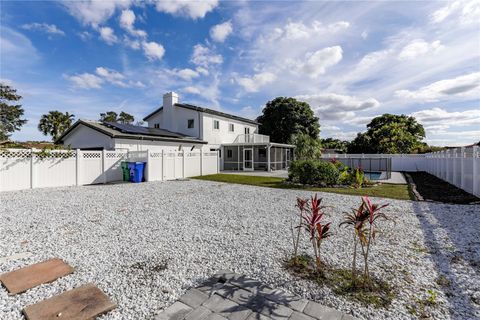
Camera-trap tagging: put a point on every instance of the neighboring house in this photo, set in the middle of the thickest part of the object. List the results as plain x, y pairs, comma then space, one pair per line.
177, 126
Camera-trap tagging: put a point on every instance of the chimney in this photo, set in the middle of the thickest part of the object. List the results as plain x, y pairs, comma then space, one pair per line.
169, 100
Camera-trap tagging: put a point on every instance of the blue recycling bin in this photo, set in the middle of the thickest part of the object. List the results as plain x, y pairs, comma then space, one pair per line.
136, 174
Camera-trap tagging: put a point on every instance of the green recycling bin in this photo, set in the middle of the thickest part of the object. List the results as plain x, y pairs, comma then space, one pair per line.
125, 171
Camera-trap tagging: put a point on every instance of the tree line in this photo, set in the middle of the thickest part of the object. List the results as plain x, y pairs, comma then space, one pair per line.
54, 123
287, 120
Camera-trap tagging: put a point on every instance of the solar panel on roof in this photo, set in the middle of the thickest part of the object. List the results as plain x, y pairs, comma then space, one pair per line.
128, 128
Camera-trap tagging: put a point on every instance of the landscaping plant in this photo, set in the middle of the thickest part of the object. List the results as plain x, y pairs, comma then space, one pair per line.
302, 205
318, 231
364, 219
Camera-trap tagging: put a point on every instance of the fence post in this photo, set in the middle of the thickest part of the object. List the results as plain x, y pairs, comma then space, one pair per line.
475, 171
163, 164
77, 167
455, 167
183, 163
147, 176
462, 179
201, 162
104, 165
32, 170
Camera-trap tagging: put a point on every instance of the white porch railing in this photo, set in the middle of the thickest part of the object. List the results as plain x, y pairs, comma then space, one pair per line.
252, 138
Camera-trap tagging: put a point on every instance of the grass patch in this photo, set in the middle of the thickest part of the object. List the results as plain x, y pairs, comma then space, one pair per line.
393, 191
378, 294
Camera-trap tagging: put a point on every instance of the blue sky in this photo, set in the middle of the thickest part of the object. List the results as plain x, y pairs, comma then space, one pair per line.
350, 60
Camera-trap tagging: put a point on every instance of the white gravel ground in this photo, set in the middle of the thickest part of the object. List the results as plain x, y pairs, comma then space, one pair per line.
116, 235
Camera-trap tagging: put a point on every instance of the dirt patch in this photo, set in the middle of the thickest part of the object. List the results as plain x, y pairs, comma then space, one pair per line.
435, 189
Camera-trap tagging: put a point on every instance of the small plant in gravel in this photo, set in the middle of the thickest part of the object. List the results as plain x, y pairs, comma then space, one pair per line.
302, 205
364, 219
313, 224
311, 219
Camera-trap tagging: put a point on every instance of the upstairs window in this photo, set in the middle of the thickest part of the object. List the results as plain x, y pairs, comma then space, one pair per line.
247, 130
216, 125
156, 125
231, 127
191, 123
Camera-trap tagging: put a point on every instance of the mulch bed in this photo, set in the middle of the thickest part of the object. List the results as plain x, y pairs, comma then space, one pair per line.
435, 189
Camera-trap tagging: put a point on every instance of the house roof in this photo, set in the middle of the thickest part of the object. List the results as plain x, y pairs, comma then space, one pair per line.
206, 110
126, 131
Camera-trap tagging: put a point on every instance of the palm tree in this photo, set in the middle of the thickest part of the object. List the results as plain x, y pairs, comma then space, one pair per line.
55, 123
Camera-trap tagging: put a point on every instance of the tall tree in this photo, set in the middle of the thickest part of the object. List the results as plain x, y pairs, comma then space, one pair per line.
306, 147
337, 144
389, 133
10, 114
109, 116
125, 118
55, 123
284, 117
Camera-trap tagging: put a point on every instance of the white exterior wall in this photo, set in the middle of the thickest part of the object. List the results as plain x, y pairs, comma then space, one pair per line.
217, 137
83, 137
154, 146
178, 122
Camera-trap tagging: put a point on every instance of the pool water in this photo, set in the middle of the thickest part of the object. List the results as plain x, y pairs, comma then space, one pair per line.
373, 175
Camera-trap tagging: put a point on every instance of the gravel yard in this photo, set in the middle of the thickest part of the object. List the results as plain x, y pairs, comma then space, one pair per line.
121, 237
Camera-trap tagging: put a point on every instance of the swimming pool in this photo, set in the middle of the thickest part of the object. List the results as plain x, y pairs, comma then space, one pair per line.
375, 175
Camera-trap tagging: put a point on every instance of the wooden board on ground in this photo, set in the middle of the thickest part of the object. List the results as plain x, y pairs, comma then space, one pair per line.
82, 303
31, 276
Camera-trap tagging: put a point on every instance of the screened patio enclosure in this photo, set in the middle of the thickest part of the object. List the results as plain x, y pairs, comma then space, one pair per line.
254, 152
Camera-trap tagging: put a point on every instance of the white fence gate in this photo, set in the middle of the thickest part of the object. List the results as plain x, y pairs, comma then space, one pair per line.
458, 166
25, 168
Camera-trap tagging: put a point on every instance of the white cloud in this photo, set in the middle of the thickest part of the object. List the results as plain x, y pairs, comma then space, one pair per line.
300, 30
202, 71
186, 74
203, 56
86, 81
153, 50
364, 35
332, 106
107, 35
192, 90
465, 12
316, 63
463, 86
253, 84
220, 32
419, 47
127, 19
191, 9
44, 27
85, 35
440, 118
94, 12
111, 76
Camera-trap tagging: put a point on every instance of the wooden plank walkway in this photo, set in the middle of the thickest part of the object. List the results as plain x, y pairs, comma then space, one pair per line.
21, 280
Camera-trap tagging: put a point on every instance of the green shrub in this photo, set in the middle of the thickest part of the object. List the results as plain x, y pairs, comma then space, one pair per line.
313, 172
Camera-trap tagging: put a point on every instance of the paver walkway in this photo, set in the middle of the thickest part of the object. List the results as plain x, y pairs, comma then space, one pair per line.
230, 296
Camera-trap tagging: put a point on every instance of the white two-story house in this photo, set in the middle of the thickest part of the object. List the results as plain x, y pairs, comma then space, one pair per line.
182, 126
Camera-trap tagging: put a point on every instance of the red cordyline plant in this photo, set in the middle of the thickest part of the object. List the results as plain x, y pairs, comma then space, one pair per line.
312, 223
302, 205
363, 219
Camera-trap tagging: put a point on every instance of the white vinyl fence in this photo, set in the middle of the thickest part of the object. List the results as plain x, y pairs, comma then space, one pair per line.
458, 166
26, 169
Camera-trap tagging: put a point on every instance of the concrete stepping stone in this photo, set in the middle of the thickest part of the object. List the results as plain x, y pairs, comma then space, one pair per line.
83, 303
21, 280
